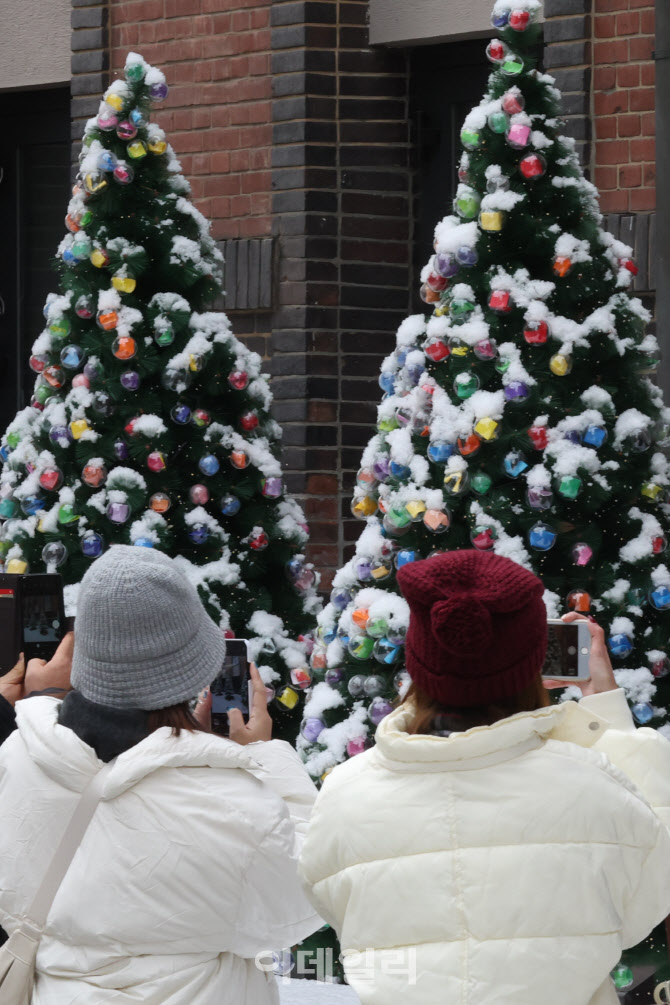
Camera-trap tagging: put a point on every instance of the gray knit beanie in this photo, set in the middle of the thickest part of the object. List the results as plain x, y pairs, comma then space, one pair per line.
142, 637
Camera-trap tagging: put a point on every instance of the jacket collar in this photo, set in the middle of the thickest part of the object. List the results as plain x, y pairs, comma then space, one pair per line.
70, 762
482, 745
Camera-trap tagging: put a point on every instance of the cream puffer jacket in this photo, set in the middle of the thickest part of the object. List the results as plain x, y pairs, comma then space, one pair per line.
186, 872
506, 865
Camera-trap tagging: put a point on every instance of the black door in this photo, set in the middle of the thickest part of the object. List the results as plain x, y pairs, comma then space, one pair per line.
34, 190
447, 80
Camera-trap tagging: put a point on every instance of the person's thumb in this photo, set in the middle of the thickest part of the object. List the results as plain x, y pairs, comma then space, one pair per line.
236, 726
18, 672
203, 709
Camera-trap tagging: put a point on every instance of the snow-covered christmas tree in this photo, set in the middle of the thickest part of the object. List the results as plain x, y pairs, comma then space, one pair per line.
150, 422
519, 416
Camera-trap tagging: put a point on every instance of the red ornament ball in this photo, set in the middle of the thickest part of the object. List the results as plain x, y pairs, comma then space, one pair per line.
536, 332
519, 20
437, 351
533, 166
499, 301
538, 436
249, 421
259, 541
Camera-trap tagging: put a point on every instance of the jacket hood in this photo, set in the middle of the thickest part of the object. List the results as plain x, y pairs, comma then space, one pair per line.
507, 738
66, 759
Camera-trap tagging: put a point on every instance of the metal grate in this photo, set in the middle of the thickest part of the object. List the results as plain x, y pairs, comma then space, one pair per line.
247, 274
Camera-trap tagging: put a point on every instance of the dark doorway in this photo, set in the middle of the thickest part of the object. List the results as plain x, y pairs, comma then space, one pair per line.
35, 165
445, 82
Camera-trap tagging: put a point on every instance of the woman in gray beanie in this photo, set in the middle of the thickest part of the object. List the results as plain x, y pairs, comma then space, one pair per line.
186, 874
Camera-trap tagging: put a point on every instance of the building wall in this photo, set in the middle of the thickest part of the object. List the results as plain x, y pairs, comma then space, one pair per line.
342, 179
34, 43
623, 103
216, 56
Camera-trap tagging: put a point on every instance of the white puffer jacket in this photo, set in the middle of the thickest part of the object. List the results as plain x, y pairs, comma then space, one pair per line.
186, 872
507, 865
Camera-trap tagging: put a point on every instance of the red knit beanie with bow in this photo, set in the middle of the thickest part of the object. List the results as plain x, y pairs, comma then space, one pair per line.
477, 628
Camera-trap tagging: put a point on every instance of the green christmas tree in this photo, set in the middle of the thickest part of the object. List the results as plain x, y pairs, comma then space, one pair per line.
519, 416
150, 422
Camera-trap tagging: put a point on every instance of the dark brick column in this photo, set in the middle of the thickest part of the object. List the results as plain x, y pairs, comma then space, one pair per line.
341, 183
90, 63
567, 56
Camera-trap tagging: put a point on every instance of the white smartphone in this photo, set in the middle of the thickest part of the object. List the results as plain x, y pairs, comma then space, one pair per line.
568, 651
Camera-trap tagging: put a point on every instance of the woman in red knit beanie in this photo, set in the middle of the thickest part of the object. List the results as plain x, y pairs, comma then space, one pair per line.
492, 847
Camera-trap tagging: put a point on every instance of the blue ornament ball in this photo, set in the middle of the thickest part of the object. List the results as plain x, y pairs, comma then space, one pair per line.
385, 652
143, 542
542, 536
387, 382
619, 645
594, 436
467, 256
72, 357
642, 712
340, 598
209, 464
405, 556
440, 451
181, 414
659, 597
33, 504
230, 504
92, 544
399, 471
199, 533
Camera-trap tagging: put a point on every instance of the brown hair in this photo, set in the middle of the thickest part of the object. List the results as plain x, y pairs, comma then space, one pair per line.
177, 717
532, 697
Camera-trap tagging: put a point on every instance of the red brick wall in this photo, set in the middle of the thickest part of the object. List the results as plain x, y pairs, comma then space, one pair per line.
623, 102
216, 57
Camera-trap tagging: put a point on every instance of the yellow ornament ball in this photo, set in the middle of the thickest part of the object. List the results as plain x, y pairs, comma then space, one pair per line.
115, 101
651, 490
78, 427
158, 147
124, 284
416, 509
560, 365
16, 566
136, 150
95, 182
99, 258
364, 507
288, 697
487, 428
491, 220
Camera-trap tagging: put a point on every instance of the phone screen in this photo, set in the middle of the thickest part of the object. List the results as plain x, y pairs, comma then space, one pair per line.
42, 616
563, 651
230, 689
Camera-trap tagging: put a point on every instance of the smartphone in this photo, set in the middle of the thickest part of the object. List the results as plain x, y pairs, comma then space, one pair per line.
568, 651
231, 688
10, 622
32, 617
43, 623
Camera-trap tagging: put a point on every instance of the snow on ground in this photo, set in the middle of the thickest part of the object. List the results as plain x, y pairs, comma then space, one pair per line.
315, 993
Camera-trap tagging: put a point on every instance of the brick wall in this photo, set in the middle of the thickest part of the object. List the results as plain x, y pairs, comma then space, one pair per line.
623, 101
89, 64
342, 184
216, 57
